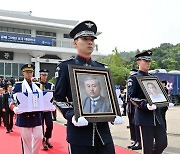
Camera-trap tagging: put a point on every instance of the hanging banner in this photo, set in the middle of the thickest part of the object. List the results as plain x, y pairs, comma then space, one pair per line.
25, 39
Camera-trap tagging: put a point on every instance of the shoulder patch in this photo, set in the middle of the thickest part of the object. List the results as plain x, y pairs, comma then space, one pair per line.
56, 74
129, 82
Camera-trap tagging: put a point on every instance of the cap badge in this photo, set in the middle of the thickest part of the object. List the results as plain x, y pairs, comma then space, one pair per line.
149, 52
89, 25
29, 65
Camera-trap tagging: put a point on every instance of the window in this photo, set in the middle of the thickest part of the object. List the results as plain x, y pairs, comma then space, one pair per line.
15, 30
39, 33
1, 69
7, 69
67, 36
21, 31
20, 72
46, 34
5, 29
10, 30
27, 31
14, 69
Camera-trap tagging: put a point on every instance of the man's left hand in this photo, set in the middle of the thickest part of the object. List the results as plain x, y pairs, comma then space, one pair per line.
171, 105
118, 120
81, 121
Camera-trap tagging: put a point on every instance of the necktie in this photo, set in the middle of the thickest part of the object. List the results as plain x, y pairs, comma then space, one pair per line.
93, 105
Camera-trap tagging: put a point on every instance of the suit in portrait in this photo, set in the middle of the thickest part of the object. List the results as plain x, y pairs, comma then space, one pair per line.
100, 105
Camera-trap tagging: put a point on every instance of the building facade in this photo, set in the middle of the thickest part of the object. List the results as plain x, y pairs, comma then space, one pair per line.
28, 39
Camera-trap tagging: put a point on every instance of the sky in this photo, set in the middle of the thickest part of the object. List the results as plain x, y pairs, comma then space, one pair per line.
127, 25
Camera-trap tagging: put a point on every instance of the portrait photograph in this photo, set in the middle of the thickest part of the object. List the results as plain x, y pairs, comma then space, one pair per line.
93, 93
153, 90
94, 96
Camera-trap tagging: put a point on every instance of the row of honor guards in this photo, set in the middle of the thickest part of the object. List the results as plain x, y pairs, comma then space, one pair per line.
147, 122
85, 137
35, 127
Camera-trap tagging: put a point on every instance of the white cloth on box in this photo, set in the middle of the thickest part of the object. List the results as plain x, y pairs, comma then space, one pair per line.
31, 100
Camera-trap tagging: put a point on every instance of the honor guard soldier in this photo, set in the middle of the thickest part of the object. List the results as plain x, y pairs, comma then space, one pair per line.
134, 129
30, 123
147, 117
46, 116
83, 137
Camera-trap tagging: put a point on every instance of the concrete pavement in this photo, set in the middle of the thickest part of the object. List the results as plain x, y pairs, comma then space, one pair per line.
121, 134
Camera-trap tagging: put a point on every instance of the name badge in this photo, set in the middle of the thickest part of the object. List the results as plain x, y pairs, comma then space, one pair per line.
35, 100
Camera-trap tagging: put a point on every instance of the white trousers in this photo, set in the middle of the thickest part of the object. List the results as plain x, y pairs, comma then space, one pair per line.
32, 139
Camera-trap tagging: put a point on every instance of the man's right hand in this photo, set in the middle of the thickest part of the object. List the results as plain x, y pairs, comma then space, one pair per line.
81, 121
151, 107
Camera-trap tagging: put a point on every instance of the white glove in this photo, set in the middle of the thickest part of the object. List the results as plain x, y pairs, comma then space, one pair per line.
171, 105
118, 120
151, 107
15, 109
121, 110
81, 121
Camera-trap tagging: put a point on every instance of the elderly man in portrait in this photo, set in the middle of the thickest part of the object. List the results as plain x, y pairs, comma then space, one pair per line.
95, 102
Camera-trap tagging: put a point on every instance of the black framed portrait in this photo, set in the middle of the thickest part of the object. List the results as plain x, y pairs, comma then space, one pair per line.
154, 91
93, 93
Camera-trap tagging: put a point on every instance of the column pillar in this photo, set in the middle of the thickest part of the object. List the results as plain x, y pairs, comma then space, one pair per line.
58, 39
33, 33
37, 67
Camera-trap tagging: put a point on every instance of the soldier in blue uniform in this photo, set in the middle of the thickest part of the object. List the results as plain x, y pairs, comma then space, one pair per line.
147, 117
30, 123
83, 137
46, 116
134, 129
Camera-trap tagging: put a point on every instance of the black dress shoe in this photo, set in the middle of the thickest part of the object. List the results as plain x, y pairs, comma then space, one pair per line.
7, 131
132, 145
45, 147
137, 147
11, 130
49, 144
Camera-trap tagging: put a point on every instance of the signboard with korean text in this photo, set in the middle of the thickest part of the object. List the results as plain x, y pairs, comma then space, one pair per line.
25, 39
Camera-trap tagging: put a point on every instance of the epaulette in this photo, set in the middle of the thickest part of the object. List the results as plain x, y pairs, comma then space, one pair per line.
18, 82
133, 74
101, 63
151, 74
68, 59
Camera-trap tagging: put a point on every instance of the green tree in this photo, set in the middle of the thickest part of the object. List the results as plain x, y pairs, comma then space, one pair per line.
118, 66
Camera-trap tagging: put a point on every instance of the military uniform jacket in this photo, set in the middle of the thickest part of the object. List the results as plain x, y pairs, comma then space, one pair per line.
47, 86
84, 135
28, 119
143, 116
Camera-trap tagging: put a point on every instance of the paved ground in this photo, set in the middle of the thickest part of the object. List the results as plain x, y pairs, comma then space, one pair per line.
121, 135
